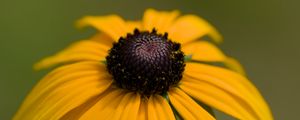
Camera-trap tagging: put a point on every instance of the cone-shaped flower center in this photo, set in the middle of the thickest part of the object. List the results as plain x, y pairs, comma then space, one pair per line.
146, 62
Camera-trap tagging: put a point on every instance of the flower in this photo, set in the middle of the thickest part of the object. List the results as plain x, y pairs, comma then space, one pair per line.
156, 68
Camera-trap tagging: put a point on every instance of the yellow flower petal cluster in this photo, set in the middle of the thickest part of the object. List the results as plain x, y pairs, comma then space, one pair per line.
81, 87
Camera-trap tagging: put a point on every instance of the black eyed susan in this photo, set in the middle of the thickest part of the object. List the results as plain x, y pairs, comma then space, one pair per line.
150, 69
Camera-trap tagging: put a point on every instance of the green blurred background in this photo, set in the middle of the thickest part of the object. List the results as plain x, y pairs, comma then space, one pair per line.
263, 35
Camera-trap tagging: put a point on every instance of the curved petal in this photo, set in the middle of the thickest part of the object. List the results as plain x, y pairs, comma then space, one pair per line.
112, 25
64, 89
160, 20
129, 109
142, 115
225, 90
77, 112
103, 38
190, 27
114, 106
131, 25
217, 98
85, 50
187, 107
234, 65
159, 109
106, 105
203, 51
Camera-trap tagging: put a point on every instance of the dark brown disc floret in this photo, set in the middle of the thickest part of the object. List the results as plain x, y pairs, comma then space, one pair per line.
146, 62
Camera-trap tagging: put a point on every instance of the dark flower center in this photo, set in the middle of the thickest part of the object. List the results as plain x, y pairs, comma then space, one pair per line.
146, 62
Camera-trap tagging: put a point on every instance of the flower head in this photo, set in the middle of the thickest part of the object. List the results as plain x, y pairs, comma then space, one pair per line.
156, 68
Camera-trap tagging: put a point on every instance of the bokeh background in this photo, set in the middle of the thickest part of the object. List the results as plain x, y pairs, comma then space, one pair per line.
262, 34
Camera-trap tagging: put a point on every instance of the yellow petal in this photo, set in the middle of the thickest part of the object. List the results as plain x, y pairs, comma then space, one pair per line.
129, 107
159, 109
131, 25
106, 105
217, 99
103, 38
160, 20
55, 78
225, 90
85, 50
190, 27
234, 65
77, 112
203, 51
114, 106
187, 107
142, 115
58, 93
112, 25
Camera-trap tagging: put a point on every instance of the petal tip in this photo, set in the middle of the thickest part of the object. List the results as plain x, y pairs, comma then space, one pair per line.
216, 36
81, 23
40, 65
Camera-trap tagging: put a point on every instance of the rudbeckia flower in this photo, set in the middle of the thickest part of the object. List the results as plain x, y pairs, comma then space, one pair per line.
156, 68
